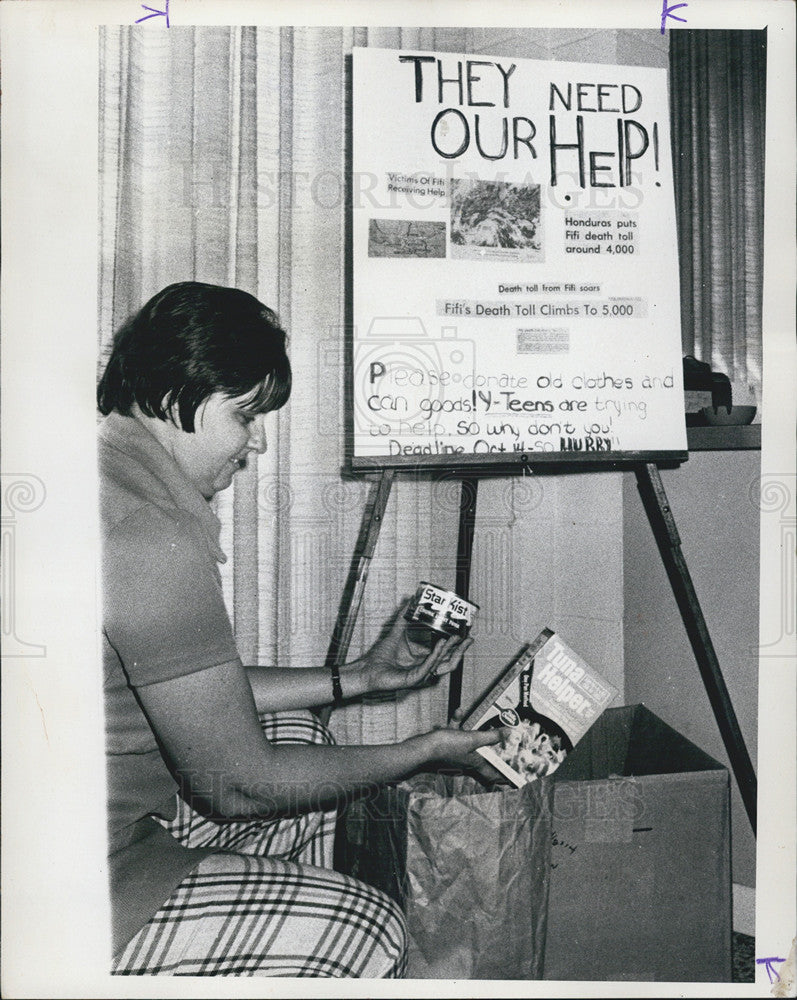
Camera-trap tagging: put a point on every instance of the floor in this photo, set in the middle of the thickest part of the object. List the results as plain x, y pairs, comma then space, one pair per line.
743, 958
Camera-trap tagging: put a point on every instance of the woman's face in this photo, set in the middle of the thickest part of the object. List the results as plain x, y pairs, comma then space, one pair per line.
225, 434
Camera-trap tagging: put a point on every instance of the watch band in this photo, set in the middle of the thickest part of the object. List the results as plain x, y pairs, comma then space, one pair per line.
337, 690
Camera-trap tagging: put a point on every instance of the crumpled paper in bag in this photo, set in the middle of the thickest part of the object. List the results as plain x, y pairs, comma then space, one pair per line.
477, 877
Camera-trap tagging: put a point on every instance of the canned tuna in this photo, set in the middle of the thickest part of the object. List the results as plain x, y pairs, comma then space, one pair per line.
440, 610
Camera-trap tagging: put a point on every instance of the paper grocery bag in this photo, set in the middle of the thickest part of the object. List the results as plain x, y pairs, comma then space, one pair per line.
470, 867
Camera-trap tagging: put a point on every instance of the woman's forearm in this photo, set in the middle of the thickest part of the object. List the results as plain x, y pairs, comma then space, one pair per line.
282, 689
297, 778
390, 665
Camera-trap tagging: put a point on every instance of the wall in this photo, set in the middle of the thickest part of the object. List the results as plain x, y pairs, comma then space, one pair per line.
718, 522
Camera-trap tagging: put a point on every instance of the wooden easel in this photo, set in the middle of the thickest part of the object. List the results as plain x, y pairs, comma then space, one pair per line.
662, 521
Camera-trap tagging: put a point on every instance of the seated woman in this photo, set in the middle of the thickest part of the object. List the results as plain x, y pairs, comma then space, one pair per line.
222, 786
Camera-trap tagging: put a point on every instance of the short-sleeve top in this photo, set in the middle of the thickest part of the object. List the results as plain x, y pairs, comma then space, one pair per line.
163, 617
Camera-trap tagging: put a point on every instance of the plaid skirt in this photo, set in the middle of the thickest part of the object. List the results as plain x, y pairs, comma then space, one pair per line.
269, 904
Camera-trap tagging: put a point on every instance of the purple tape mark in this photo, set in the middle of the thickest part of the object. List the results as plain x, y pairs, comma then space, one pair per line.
156, 13
667, 12
773, 973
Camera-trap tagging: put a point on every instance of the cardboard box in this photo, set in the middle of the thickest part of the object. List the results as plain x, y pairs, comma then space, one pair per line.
640, 882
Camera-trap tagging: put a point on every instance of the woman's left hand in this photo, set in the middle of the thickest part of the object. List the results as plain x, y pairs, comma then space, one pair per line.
394, 662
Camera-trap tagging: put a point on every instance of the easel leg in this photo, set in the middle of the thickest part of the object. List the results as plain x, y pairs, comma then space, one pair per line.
352, 596
467, 521
662, 521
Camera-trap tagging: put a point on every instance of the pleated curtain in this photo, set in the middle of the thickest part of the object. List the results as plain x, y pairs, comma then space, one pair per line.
718, 91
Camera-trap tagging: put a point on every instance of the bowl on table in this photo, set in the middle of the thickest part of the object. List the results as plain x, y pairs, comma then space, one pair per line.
722, 418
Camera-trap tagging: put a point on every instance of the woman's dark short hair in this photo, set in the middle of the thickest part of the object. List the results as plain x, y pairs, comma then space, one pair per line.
192, 340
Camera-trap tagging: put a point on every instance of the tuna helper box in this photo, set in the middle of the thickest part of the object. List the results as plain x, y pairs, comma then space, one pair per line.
640, 882
545, 701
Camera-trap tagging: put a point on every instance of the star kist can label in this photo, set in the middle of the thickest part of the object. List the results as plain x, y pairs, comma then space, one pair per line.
441, 610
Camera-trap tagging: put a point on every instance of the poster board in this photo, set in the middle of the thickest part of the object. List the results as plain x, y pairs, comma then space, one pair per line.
515, 269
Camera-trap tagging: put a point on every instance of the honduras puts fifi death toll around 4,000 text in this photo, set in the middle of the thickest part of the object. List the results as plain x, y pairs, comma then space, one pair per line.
514, 260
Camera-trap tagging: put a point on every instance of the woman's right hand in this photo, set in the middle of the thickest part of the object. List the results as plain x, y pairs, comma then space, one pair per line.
456, 748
